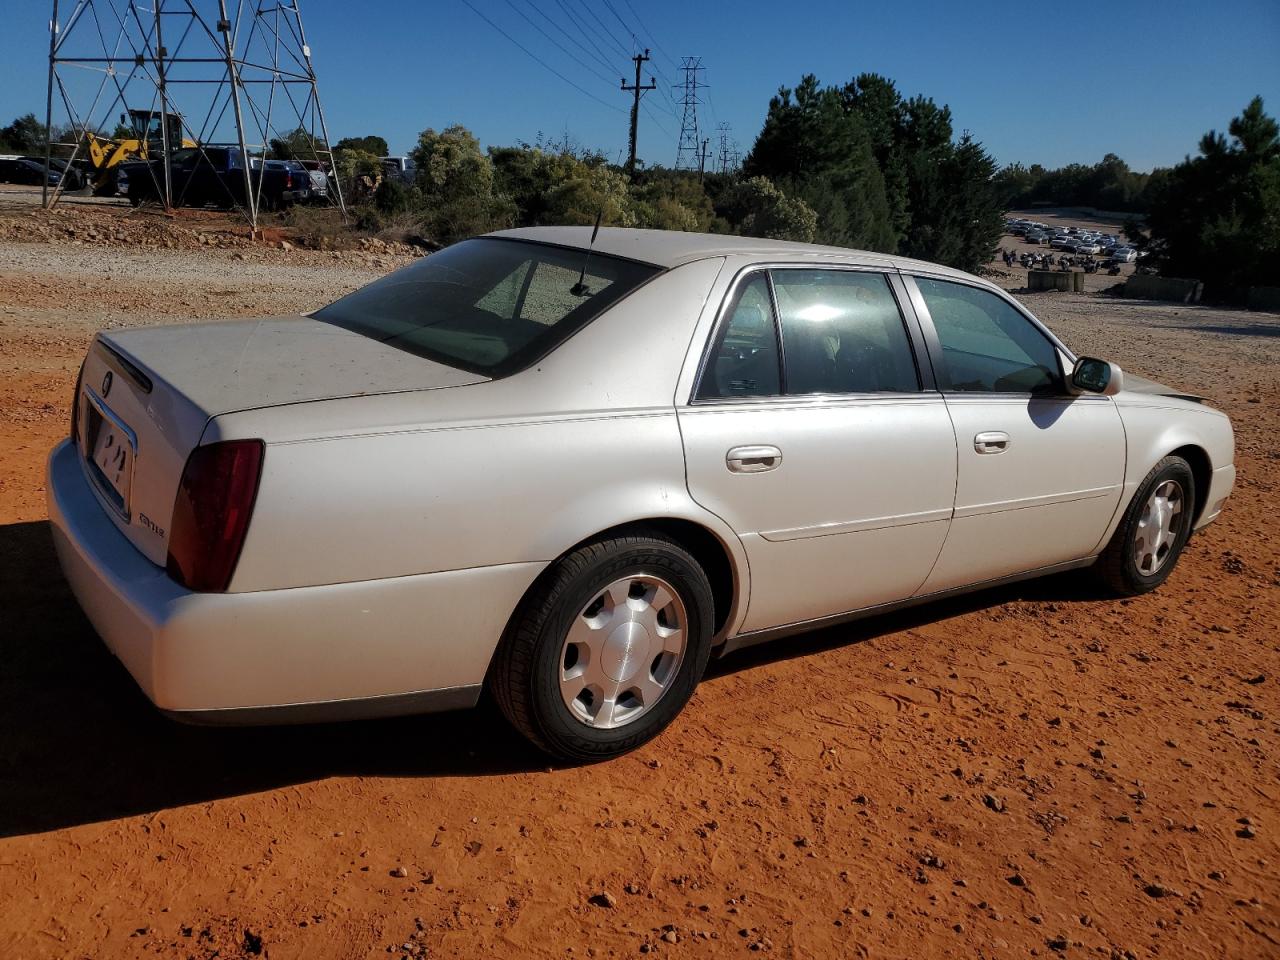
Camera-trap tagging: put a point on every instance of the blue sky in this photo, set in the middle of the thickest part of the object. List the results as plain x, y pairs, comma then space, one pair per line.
1046, 83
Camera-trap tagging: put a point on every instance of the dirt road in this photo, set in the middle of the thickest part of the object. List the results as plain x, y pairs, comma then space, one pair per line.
1032, 771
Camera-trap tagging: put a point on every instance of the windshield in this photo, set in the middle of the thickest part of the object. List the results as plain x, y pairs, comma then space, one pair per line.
489, 305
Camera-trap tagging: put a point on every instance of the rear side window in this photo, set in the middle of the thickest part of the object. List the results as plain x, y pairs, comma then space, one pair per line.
842, 332
744, 358
987, 345
489, 305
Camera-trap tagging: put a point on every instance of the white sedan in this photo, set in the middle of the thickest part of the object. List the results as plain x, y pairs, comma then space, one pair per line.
574, 471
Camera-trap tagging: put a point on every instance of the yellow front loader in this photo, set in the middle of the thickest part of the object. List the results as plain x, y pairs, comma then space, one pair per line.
107, 153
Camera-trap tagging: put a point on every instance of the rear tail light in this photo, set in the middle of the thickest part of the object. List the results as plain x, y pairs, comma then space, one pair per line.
211, 513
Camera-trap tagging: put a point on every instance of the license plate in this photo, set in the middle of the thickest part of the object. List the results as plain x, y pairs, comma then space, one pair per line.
111, 447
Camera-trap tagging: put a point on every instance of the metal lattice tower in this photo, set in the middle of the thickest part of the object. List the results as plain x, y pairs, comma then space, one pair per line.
689, 147
724, 152
210, 76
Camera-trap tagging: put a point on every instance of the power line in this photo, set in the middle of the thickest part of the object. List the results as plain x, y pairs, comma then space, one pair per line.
604, 31
534, 56
652, 38
564, 49
593, 53
573, 18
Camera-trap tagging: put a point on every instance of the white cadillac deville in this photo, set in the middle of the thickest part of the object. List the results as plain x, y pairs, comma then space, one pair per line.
574, 468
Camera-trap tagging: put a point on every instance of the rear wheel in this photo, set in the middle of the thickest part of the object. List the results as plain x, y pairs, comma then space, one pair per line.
606, 649
1153, 531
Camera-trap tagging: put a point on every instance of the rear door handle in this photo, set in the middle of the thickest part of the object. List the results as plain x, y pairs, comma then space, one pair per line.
993, 441
755, 459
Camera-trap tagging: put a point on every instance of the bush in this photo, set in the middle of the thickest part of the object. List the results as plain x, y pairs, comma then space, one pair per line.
762, 210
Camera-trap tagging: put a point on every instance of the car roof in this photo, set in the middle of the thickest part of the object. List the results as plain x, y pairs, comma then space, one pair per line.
671, 248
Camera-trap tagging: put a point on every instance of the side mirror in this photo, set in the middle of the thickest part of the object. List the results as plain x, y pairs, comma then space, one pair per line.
1091, 375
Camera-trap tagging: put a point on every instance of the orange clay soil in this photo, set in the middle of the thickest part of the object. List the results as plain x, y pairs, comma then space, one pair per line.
1029, 771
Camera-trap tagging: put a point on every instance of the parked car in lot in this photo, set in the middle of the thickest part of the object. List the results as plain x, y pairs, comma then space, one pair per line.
72, 179
1124, 254
15, 169
1062, 243
573, 468
1085, 246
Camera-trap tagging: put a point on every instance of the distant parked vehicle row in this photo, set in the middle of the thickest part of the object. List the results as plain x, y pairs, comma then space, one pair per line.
1074, 240
205, 176
15, 169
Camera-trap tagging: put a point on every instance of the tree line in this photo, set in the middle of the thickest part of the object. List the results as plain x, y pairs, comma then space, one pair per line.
858, 165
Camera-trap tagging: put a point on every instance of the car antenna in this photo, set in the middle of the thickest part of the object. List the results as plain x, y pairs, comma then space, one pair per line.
579, 288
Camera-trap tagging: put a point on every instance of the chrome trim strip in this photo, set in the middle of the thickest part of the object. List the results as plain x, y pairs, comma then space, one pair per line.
856, 526
999, 506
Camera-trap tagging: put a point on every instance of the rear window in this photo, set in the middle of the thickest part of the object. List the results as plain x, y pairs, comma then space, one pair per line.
489, 305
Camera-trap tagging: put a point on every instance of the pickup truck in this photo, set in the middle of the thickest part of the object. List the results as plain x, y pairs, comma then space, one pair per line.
201, 176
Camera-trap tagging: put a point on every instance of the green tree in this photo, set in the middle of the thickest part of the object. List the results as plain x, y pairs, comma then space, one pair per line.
760, 209
1216, 217
24, 135
880, 171
455, 180
297, 144
371, 144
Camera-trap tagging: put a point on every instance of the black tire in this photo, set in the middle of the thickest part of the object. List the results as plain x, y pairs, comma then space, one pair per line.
524, 677
1117, 567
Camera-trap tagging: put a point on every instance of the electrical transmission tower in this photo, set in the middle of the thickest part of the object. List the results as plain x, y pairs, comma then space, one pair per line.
723, 154
638, 90
689, 148
143, 79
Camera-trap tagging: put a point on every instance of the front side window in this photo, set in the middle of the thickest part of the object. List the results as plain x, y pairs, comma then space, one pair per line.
744, 358
489, 305
842, 332
987, 345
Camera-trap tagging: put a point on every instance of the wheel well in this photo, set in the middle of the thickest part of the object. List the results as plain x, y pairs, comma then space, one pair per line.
702, 544
1201, 471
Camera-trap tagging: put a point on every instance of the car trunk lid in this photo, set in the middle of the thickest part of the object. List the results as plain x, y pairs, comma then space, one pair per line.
148, 394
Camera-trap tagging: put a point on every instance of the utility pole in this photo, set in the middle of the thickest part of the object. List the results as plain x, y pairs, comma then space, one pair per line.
637, 89
702, 160
688, 148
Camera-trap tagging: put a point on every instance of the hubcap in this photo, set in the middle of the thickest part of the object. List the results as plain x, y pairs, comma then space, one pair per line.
623, 651
1158, 527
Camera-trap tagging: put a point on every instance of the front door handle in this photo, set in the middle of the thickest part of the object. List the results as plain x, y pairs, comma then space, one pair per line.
756, 459
993, 441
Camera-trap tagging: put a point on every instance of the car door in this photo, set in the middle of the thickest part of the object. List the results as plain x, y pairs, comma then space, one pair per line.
1040, 470
815, 434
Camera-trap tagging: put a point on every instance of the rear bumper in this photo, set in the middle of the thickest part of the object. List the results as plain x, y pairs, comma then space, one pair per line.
372, 648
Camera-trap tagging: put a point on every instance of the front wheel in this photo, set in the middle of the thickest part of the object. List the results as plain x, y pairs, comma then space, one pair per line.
1153, 531
606, 649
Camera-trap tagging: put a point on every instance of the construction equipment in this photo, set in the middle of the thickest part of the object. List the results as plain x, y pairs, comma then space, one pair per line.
147, 142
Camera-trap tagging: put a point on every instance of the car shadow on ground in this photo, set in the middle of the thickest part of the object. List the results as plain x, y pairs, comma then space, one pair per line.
79, 743
1073, 587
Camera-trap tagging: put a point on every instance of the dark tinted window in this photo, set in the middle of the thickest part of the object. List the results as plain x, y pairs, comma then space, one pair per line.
744, 359
489, 305
842, 332
987, 345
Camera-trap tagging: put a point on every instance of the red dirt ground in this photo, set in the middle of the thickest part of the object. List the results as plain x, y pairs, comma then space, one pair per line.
1031, 771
